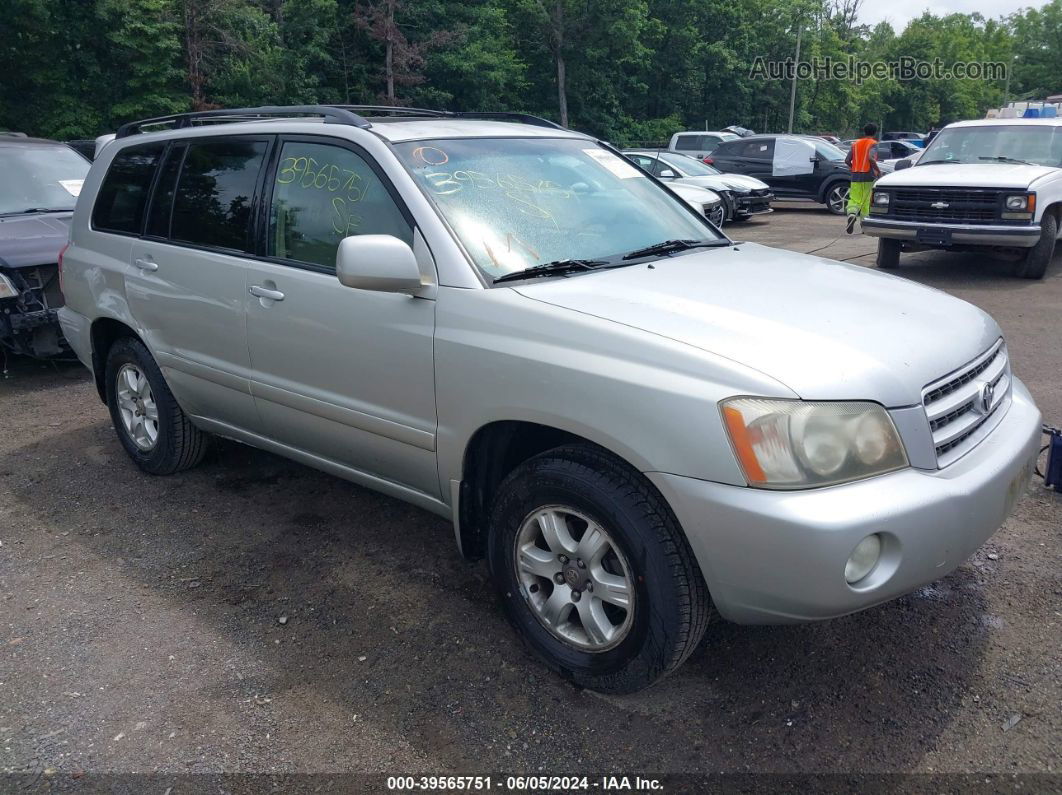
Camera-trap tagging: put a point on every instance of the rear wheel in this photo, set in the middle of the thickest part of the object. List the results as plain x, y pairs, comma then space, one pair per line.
837, 198
594, 571
1033, 264
888, 253
151, 426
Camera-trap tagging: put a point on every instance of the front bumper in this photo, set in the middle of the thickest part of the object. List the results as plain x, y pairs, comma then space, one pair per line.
948, 234
773, 557
754, 205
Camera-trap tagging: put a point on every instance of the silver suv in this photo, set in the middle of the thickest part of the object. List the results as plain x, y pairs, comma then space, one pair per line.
637, 421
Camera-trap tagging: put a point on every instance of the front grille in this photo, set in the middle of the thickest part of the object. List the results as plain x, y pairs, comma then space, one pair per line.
956, 407
959, 206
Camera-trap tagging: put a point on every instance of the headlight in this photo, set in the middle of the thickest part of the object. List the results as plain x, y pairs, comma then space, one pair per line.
7, 289
1017, 202
881, 198
794, 444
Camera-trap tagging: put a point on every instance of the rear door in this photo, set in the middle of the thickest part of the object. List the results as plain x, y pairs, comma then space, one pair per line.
344, 374
186, 281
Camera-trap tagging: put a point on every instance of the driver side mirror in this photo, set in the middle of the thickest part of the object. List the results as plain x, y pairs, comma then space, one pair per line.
667, 173
377, 262
902, 164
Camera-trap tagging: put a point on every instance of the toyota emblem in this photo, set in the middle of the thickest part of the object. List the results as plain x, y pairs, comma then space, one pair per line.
987, 393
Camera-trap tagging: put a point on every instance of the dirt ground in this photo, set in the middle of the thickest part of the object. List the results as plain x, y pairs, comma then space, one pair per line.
254, 615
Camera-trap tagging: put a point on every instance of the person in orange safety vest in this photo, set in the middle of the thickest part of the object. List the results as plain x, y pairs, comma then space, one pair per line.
863, 161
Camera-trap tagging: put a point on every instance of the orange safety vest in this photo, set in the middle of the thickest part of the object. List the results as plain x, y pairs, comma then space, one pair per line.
861, 155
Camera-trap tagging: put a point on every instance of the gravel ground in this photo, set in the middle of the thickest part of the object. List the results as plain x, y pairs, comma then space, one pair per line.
255, 615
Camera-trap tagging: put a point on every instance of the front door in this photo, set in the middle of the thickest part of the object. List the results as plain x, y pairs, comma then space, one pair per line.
345, 375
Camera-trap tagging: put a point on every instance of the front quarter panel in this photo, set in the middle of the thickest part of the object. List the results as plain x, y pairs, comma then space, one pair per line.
650, 400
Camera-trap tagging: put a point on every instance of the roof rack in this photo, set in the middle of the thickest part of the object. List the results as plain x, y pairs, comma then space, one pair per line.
333, 114
394, 110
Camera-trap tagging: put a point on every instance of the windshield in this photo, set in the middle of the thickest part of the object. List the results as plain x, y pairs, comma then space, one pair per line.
1041, 145
519, 202
45, 177
690, 167
828, 151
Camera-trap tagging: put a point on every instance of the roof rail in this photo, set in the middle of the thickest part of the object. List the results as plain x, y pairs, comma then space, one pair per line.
522, 118
394, 110
333, 114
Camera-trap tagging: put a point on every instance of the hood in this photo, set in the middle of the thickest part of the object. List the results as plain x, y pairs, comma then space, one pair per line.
695, 193
968, 175
825, 329
27, 240
736, 182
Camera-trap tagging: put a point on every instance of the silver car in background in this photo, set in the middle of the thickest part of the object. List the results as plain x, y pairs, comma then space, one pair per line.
636, 421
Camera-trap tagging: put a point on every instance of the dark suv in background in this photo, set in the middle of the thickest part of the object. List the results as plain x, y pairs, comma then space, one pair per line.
796, 166
40, 184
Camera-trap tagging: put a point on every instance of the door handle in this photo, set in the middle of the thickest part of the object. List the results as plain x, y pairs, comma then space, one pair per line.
264, 292
146, 264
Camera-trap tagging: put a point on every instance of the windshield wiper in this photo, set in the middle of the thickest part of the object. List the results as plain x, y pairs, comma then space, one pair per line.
669, 246
1005, 159
556, 268
937, 162
29, 210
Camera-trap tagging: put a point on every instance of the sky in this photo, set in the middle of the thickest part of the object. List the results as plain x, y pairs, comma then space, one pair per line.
899, 12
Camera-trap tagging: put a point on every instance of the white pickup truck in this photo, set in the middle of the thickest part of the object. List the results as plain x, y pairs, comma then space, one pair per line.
990, 183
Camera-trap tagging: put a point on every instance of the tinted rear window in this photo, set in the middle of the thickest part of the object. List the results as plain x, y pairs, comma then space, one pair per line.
120, 202
688, 143
161, 210
212, 203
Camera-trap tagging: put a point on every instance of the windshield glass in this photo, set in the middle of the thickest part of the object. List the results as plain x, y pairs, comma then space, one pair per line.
828, 151
45, 177
519, 202
689, 166
1037, 144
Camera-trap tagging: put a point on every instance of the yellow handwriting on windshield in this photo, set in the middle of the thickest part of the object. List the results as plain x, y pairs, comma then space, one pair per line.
307, 173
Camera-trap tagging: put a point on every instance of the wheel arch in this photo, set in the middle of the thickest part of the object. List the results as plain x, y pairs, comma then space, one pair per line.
104, 332
492, 452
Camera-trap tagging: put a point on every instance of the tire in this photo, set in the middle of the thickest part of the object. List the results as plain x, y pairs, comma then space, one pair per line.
162, 440
888, 253
836, 198
1033, 265
670, 607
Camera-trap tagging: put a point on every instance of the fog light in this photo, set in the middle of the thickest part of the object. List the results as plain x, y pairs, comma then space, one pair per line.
864, 557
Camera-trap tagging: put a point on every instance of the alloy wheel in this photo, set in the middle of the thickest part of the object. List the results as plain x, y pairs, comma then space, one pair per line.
837, 200
577, 580
136, 407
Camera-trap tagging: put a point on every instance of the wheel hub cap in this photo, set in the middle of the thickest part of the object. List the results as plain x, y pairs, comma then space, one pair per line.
575, 578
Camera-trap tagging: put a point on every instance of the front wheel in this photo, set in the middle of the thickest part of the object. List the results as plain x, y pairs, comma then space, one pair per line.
888, 253
837, 198
594, 571
1033, 264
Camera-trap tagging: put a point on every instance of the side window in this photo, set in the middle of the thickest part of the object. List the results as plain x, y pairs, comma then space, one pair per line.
212, 201
688, 143
728, 149
121, 198
161, 210
759, 150
643, 161
323, 193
